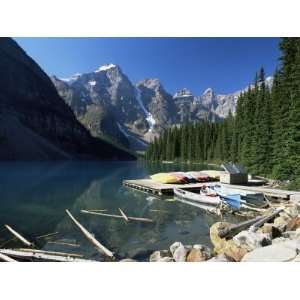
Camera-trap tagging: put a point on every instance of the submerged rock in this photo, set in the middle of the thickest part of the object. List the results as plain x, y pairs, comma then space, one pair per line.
199, 253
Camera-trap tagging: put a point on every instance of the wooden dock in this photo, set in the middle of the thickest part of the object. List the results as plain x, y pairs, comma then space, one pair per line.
155, 188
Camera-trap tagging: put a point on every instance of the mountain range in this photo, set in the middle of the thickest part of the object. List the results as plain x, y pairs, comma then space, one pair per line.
110, 106
35, 122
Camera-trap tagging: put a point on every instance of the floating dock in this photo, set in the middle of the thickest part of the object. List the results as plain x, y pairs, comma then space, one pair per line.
152, 187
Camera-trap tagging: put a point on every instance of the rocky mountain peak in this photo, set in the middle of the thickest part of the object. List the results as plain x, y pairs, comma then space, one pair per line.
183, 93
150, 83
208, 93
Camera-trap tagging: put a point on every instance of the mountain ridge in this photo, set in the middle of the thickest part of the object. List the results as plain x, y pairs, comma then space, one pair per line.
142, 109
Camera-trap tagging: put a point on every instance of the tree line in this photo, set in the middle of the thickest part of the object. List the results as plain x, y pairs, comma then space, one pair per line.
263, 134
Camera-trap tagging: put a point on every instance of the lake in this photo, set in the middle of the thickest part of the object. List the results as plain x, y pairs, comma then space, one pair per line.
34, 196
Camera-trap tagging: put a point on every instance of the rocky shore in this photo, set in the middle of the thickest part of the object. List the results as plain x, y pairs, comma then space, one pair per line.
277, 240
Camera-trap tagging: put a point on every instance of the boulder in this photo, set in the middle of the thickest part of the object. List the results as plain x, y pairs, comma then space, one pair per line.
279, 240
219, 243
280, 223
160, 256
278, 252
199, 253
179, 251
234, 252
293, 224
251, 240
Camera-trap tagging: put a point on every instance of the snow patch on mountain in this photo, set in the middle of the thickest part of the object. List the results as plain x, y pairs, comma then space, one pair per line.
105, 68
92, 82
71, 79
149, 118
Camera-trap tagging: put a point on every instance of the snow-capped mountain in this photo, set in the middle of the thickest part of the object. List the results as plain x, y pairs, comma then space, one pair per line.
110, 105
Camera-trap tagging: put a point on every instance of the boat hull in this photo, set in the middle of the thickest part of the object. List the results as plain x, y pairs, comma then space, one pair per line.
207, 200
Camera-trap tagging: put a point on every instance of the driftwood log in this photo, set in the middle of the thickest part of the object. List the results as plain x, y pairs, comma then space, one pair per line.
29, 255
117, 216
50, 252
47, 235
6, 258
123, 215
235, 228
102, 249
19, 236
265, 219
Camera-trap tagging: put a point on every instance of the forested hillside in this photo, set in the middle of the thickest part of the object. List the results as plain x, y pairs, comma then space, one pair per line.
264, 133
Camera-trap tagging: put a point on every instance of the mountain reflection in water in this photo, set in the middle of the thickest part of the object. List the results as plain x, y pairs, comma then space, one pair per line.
34, 196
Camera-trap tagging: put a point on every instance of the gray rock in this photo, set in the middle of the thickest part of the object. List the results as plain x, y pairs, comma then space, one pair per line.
179, 251
252, 240
160, 256
279, 240
199, 253
279, 252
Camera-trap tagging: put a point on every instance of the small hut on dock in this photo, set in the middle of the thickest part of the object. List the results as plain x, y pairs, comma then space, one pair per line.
233, 174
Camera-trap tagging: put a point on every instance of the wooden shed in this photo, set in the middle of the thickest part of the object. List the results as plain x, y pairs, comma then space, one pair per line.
233, 174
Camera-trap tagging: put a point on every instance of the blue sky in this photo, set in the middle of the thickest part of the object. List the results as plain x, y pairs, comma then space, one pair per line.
224, 64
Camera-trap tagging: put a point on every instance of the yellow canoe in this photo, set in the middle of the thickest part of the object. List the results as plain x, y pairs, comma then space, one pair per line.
164, 178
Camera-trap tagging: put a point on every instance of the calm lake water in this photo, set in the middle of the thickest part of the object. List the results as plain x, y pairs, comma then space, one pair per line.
34, 197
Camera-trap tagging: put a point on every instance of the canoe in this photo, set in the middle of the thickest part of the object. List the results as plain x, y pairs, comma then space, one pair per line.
210, 200
245, 195
165, 178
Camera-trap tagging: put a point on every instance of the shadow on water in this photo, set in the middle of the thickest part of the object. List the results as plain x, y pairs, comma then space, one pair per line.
34, 197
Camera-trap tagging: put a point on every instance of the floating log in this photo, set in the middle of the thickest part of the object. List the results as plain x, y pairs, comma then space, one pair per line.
123, 215
235, 228
158, 210
265, 219
98, 210
19, 236
41, 256
47, 235
90, 237
6, 258
117, 216
63, 243
50, 252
